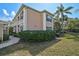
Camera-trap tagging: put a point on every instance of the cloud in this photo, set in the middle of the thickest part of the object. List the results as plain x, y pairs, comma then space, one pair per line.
13, 13
8, 16
5, 12
5, 18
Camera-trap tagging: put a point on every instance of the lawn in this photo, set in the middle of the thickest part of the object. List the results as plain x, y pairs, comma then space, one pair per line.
68, 45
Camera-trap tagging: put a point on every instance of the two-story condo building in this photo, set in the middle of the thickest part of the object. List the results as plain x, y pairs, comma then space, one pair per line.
28, 18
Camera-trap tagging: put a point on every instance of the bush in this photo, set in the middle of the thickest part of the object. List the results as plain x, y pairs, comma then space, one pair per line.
5, 37
10, 30
0, 41
37, 36
57, 27
16, 35
73, 26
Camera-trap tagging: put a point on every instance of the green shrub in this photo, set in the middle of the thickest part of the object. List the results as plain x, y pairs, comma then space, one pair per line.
57, 27
10, 30
15, 34
37, 36
73, 26
5, 37
0, 39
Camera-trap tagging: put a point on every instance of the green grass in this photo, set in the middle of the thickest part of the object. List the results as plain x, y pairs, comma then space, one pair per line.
68, 45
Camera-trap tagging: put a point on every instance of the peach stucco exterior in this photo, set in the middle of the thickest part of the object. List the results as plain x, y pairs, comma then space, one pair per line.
34, 20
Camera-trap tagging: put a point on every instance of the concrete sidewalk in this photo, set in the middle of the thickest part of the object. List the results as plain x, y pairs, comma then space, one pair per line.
12, 40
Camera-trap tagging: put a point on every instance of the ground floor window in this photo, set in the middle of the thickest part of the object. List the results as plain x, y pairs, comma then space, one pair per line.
14, 29
48, 28
21, 27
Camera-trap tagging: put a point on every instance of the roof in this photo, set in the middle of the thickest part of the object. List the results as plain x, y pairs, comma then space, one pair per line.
4, 22
47, 12
22, 6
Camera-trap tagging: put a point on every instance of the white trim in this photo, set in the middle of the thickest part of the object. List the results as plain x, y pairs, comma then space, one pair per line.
2, 33
24, 19
44, 21
52, 24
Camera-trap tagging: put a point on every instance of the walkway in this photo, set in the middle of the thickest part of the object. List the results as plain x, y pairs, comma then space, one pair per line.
13, 40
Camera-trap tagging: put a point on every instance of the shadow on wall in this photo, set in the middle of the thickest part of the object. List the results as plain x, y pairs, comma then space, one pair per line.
32, 48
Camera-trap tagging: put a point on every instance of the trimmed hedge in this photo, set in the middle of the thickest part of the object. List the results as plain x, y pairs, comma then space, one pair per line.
37, 36
0, 39
5, 37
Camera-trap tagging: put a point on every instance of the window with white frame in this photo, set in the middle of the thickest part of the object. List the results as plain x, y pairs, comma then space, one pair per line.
48, 28
14, 28
21, 28
18, 28
18, 18
49, 18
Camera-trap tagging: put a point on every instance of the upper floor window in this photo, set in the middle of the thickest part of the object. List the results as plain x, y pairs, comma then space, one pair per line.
49, 18
18, 17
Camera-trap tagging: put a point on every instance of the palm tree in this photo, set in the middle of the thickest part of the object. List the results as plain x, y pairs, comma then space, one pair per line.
61, 12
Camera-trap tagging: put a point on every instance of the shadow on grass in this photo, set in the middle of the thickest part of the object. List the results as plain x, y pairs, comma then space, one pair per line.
74, 36
10, 49
33, 48
36, 48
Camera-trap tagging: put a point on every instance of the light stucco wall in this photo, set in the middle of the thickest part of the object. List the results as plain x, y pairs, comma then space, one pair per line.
1, 32
44, 21
17, 22
25, 19
34, 20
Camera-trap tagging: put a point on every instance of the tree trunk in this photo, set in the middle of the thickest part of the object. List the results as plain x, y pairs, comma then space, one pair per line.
62, 25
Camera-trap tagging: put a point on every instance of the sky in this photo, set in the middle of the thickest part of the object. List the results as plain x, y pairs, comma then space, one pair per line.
9, 10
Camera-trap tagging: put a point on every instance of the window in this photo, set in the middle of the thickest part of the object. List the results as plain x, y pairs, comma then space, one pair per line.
18, 28
5, 29
49, 18
48, 28
18, 17
14, 28
21, 28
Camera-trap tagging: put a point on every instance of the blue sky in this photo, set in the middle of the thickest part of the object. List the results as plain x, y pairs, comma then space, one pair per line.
8, 10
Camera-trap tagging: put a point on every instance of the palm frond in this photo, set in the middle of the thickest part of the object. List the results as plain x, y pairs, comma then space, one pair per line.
68, 12
69, 8
56, 12
61, 6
